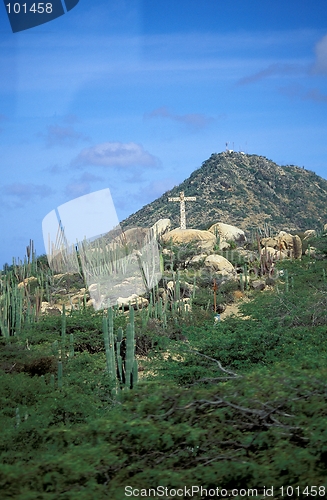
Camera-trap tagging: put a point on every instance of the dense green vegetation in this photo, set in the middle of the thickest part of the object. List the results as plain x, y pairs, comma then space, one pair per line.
239, 403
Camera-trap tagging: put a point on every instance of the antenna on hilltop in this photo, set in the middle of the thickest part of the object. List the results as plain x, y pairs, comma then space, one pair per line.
226, 145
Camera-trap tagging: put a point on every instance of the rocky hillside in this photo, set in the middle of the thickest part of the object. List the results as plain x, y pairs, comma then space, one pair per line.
248, 191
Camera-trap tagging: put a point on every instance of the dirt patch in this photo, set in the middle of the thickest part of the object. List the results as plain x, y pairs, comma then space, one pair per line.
235, 309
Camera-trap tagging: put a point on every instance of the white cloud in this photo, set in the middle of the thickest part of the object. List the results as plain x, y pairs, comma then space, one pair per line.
275, 69
26, 192
315, 95
62, 136
301, 92
320, 65
115, 154
98, 57
193, 120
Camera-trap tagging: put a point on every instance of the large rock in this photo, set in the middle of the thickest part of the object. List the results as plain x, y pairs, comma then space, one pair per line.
46, 308
204, 240
218, 263
133, 300
161, 227
79, 297
258, 284
297, 247
309, 233
136, 237
28, 281
289, 245
270, 253
270, 242
285, 240
198, 259
273, 254
227, 232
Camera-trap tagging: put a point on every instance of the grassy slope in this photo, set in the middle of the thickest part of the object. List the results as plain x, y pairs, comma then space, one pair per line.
263, 422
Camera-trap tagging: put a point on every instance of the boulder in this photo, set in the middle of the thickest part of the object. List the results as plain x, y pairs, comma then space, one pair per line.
273, 254
28, 281
46, 308
269, 242
79, 297
206, 247
285, 240
297, 247
227, 232
136, 237
312, 252
198, 259
227, 274
161, 227
258, 285
185, 288
218, 263
269, 252
134, 300
289, 245
203, 239
309, 233
223, 245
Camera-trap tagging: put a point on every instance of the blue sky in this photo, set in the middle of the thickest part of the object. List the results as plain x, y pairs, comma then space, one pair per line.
134, 95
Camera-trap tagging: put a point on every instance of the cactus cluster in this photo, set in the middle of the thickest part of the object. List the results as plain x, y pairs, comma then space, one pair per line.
157, 309
18, 303
121, 363
61, 351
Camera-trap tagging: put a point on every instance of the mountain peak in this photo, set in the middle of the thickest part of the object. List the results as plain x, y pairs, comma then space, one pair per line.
244, 190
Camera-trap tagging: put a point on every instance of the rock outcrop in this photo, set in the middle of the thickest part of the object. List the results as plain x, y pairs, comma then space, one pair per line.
161, 227
284, 243
227, 232
273, 254
309, 233
133, 300
205, 240
218, 263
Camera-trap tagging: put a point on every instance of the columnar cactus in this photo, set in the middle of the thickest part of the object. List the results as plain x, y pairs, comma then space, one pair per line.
130, 351
109, 344
119, 358
123, 367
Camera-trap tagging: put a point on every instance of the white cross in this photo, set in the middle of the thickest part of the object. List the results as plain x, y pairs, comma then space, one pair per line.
182, 200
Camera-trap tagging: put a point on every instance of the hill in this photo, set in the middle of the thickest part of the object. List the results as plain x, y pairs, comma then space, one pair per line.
248, 191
